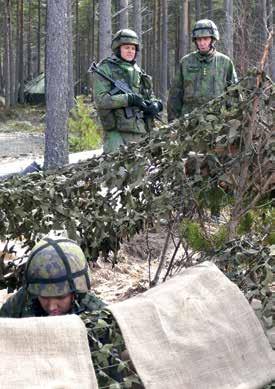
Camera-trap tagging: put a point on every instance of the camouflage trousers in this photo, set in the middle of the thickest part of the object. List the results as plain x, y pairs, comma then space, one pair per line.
114, 139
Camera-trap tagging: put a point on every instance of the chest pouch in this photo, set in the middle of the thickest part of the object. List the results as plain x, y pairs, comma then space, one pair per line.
146, 85
193, 69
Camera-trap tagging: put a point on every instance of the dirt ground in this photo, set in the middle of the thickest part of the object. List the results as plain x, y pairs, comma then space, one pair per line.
132, 273
18, 144
22, 134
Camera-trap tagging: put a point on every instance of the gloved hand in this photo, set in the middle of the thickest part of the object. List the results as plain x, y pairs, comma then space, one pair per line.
136, 101
153, 108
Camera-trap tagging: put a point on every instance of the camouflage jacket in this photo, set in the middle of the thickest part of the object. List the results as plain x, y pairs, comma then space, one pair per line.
200, 78
111, 107
22, 304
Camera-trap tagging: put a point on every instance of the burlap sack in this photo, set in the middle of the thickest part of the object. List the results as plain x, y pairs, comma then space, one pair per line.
196, 331
48, 353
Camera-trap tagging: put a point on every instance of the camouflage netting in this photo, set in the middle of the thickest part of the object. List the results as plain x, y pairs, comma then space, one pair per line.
112, 364
106, 200
110, 198
218, 157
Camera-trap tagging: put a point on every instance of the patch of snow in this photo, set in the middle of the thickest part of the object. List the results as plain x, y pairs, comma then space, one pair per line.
16, 166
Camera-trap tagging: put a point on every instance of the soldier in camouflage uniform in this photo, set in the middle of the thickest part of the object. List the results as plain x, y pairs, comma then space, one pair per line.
120, 127
203, 74
57, 281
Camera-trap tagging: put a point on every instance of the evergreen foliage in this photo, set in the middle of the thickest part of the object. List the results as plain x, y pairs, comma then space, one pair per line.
83, 131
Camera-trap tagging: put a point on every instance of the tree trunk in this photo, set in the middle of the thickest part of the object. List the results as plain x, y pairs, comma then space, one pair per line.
77, 50
11, 57
2, 83
197, 10
272, 50
7, 75
1, 71
21, 52
209, 9
146, 37
228, 6
164, 51
155, 46
177, 40
105, 28
138, 27
242, 35
260, 33
181, 38
70, 59
29, 39
183, 28
123, 14
56, 135
93, 30
90, 32
17, 49
91, 38
38, 37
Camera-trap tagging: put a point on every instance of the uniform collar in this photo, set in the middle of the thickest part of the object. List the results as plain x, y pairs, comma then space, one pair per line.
206, 57
122, 61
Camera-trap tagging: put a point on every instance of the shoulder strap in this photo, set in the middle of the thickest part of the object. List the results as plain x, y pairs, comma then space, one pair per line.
138, 69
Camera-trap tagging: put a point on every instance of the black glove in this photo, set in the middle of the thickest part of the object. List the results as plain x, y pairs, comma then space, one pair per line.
153, 108
136, 101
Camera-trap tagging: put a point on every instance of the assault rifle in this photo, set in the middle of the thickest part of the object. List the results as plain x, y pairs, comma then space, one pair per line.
120, 86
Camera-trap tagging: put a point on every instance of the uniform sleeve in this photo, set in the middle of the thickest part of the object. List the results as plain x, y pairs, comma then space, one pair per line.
102, 89
175, 97
13, 307
146, 89
231, 75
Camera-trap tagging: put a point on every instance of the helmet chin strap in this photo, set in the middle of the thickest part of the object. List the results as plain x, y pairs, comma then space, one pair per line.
212, 44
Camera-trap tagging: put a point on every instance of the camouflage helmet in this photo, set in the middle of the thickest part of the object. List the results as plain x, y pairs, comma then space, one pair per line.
123, 37
57, 267
205, 27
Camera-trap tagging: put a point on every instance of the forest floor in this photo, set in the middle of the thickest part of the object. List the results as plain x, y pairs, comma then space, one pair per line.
21, 133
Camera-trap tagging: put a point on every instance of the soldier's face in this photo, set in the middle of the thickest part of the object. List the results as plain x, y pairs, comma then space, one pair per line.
128, 52
59, 305
204, 44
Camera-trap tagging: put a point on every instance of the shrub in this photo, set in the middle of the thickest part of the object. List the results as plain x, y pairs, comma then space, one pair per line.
193, 235
83, 131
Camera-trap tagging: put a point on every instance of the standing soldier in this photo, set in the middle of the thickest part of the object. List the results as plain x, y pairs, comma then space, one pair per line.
203, 74
125, 117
